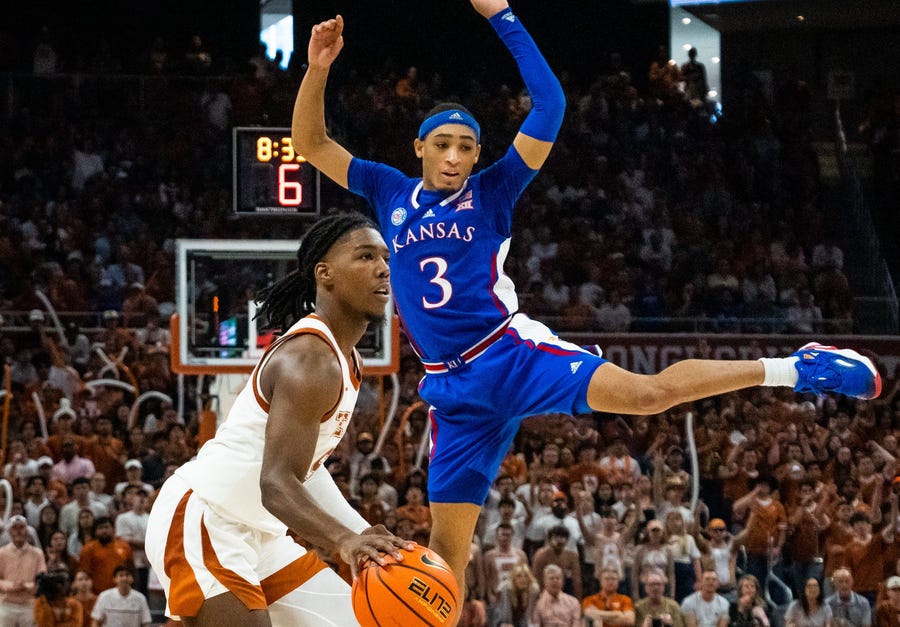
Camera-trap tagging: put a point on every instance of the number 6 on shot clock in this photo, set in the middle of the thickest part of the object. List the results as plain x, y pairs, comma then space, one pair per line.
269, 176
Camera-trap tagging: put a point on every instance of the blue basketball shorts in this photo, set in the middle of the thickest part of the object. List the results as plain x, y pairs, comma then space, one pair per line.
476, 408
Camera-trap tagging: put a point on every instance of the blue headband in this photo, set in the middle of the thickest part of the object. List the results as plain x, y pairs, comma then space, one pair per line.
451, 116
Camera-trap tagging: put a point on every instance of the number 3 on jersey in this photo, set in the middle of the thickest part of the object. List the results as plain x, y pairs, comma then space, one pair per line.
439, 280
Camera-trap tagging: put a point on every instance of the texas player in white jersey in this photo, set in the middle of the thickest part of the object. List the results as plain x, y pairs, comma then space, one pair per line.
217, 532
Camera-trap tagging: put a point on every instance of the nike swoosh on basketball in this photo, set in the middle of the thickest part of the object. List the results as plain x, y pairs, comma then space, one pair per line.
430, 562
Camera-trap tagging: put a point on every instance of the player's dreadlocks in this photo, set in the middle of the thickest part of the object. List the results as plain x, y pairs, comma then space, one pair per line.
294, 296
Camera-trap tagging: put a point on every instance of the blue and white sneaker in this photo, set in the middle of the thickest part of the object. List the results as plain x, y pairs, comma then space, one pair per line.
829, 369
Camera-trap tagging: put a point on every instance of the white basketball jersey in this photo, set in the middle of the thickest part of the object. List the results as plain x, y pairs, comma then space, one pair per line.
227, 470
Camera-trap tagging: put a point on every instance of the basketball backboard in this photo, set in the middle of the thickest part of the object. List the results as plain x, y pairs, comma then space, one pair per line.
215, 330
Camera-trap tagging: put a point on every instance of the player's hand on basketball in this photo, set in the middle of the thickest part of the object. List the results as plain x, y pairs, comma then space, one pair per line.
371, 544
489, 8
326, 42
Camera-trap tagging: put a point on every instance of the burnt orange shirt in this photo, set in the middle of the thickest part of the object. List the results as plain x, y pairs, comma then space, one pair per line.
420, 515
99, 561
765, 521
866, 562
886, 616
612, 603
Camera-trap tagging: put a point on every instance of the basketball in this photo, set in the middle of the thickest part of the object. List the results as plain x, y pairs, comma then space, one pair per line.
420, 590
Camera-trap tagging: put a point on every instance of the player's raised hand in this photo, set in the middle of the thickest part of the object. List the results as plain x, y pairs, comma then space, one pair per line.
326, 42
489, 8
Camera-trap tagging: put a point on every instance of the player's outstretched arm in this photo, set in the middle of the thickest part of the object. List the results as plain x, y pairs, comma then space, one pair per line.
308, 132
538, 131
303, 382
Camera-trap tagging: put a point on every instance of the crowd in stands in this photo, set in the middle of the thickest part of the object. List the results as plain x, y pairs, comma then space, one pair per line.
673, 211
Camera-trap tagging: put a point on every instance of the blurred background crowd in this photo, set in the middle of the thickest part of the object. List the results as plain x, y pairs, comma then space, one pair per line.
657, 211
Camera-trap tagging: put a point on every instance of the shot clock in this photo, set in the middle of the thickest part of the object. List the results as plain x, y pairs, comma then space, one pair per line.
269, 176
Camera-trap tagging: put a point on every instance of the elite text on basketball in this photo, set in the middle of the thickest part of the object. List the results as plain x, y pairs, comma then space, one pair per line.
433, 601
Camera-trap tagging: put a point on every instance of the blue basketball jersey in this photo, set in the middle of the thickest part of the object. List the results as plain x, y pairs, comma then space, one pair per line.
447, 251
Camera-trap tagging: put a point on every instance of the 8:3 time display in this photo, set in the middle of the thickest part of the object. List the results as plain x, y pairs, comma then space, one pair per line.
270, 177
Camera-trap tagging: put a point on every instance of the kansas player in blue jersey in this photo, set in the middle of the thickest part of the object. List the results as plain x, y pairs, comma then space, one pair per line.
488, 366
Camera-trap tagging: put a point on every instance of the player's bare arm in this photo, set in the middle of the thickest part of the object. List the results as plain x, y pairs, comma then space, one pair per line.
308, 132
303, 380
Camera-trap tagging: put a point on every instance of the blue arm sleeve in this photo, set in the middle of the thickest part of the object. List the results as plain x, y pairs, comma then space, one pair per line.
548, 100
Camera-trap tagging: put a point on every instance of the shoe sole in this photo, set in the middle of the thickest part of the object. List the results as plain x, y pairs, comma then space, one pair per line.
850, 354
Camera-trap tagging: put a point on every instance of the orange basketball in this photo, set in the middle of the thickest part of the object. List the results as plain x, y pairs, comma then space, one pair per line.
417, 591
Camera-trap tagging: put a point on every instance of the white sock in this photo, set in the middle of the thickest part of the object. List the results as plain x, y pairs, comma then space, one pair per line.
780, 371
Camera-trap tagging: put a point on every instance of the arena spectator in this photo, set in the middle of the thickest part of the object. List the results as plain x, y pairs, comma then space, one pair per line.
81, 497
108, 452
886, 611
865, 552
556, 551
134, 470
810, 610
48, 522
516, 599
84, 532
370, 506
749, 608
848, 608
386, 491
53, 605
807, 521
121, 605
35, 499
72, 465
82, 591
558, 516
507, 510
553, 606
103, 555
503, 492
416, 510
56, 553
131, 526
706, 608
20, 563
500, 561
722, 554
361, 458
619, 465
656, 608
685, 555
766, 528
608, 606
99, 493
652, 555
694, 75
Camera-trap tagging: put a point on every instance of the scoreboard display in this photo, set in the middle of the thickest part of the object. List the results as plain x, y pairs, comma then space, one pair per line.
269, 176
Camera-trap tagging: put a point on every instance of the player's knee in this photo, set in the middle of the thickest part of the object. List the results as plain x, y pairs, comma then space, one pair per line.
652, 398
